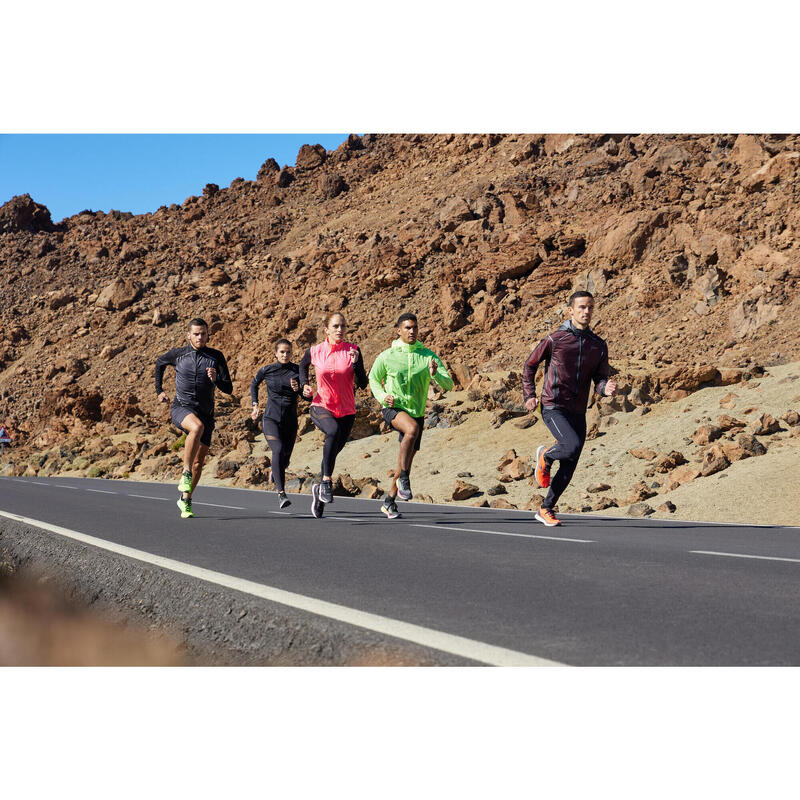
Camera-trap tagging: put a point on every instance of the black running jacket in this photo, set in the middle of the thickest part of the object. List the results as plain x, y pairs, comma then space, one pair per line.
193, 387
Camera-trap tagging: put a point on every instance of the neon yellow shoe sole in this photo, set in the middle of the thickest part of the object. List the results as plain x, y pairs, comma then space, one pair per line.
185, 507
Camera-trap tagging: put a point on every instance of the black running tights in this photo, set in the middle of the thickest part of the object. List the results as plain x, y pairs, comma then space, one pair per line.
280, 437
336, 430
570, 432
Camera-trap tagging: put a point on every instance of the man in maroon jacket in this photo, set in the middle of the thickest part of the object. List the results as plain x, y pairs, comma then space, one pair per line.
574, 356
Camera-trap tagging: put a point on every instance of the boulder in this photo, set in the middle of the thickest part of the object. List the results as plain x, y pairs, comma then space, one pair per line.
706, 434
595, 488
310, 157
119, 294
463, 490
22, 213
750, 444
714, 460
791, 418
643, 452
640, 510
765, 425
501, 502
518, 469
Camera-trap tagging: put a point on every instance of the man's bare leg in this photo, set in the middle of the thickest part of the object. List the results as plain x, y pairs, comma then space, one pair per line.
197, 464
410, 429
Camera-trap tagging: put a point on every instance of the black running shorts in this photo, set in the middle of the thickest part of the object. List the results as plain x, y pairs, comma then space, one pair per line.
179, 413
390, 413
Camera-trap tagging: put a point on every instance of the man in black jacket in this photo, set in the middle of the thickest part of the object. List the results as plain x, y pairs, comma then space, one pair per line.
199, 370
574, 356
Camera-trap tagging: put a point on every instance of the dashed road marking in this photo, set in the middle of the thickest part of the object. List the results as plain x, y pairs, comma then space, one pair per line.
503, 533
745, 555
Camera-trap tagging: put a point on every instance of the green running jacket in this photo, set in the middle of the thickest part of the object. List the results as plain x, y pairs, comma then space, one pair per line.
403, 371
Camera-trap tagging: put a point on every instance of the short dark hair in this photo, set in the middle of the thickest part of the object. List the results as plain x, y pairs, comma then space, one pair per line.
282, 341
197, 321
575, 295
403, 317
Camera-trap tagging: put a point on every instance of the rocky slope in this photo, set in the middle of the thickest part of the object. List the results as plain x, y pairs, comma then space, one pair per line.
688, 243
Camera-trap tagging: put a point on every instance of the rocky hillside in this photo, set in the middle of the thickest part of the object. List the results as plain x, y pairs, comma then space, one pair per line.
688, 243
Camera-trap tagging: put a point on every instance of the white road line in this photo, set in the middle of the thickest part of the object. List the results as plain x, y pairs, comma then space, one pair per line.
426, 637
745, 555
99, 491
218, 505
149, 497
31, 483
503, 533
64, 486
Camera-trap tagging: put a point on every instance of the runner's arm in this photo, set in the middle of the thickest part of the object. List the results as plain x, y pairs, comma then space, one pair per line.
224, 382
305, 363
442, 376
361, 374
377, 375
255, 384
600, 376
161, 365
541, 352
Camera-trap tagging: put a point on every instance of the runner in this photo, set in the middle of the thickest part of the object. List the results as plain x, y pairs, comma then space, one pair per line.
574, 356
333, 409
279, 422
399, 379
198, 371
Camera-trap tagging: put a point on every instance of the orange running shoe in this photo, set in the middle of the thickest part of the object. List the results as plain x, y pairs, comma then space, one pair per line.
542, 472
547, 517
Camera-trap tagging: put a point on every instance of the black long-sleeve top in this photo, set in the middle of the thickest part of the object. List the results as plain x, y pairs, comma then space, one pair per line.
281, 398
193, 388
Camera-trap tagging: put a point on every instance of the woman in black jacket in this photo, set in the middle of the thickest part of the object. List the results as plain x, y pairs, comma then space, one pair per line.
279, 422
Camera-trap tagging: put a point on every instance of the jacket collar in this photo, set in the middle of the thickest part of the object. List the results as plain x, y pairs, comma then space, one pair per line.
568, 326
401, 345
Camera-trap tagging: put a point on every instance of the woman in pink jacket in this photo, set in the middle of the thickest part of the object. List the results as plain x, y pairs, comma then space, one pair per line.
333, 409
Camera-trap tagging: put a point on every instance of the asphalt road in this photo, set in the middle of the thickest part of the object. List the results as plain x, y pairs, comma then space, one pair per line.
490, 585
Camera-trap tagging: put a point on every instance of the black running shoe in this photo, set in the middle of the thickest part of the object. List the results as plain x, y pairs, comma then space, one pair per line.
404, 487
284, 500
326, 491
389, 508
317, 508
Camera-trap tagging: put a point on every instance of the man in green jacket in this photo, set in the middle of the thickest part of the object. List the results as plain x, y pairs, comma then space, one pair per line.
399, 379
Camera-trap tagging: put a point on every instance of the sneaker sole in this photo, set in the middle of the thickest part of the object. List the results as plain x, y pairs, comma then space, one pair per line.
403, 495
316, 506
389, 515
285, 503
184, 514
542, 484
545, 522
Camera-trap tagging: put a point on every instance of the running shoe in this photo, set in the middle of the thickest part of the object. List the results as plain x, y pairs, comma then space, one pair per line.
547, 517
185, 483
284, 500
542, 468
317, 507
404, 487
326, 491
389, 508
186, 507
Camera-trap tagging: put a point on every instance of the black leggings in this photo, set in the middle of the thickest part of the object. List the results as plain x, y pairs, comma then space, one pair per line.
280, 437
570, 432
336, 430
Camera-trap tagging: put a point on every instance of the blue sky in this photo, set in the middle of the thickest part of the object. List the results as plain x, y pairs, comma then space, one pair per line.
136, 172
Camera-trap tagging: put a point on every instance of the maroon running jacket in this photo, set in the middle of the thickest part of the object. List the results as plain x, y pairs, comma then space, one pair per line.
572, 360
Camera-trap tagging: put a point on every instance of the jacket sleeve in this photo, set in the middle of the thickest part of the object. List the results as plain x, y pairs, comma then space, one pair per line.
361, 374
377, 375
442, 376
541, 352
600, 376
224, 382
161, 365
255, 384
305, 363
